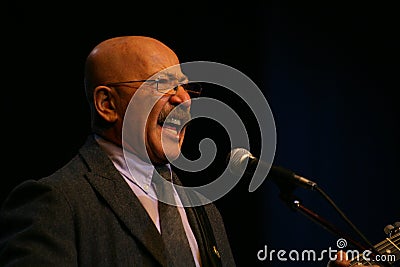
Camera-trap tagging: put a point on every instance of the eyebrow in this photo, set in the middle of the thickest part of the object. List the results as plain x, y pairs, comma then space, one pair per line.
172, 76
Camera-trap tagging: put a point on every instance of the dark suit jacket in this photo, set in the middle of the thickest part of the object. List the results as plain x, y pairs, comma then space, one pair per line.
85, 214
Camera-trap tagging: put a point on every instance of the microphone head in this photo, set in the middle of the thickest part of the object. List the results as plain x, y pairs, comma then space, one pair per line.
237, 160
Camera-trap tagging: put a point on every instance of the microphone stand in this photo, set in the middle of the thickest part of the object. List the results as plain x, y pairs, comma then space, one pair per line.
294, 203
286, 194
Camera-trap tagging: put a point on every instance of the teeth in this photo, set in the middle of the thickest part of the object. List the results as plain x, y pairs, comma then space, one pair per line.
174, 121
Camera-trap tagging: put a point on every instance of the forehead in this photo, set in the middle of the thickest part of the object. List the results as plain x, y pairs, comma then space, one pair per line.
171, 73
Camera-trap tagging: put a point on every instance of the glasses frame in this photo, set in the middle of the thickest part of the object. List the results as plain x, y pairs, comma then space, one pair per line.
193, 94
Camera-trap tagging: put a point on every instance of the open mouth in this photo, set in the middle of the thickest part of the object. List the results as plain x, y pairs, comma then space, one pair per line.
172, 125
172, 121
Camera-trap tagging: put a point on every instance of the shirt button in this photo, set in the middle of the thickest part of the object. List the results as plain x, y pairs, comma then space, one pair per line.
146, 187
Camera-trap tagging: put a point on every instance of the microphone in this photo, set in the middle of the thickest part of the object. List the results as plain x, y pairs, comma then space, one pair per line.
240, 159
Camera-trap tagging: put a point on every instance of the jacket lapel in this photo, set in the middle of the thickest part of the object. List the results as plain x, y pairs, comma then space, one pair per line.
107, 181
201, 228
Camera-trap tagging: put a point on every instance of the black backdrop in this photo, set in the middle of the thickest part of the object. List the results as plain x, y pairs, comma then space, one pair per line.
328, 70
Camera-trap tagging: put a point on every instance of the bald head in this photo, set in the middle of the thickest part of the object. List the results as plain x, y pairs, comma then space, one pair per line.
115, 70
126, 58
119, 60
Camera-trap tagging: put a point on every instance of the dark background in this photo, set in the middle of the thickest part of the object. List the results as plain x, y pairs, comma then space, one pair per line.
328, 70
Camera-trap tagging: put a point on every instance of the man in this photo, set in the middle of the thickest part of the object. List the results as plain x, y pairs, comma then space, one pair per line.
99, 209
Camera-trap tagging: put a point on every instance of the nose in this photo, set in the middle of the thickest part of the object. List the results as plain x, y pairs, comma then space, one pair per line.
180, 97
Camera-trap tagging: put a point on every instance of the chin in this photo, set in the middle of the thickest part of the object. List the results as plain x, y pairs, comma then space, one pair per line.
170, 147
164, 153
172, 153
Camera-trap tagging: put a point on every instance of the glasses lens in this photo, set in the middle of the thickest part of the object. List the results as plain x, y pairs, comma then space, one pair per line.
170, 87
165, 86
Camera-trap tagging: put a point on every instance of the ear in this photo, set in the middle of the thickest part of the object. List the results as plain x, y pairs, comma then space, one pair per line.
105, 103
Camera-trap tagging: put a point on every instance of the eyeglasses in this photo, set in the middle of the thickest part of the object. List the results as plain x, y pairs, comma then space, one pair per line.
165, 86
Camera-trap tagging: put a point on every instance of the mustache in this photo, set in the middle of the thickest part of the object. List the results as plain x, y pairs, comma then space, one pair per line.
176, 112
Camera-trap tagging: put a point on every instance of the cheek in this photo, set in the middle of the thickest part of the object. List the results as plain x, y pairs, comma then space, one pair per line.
139, 123
153, 130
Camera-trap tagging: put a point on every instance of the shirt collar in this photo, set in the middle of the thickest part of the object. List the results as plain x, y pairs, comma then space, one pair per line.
138, 172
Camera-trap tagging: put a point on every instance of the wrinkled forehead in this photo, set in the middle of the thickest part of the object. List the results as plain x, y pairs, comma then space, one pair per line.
173, 73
